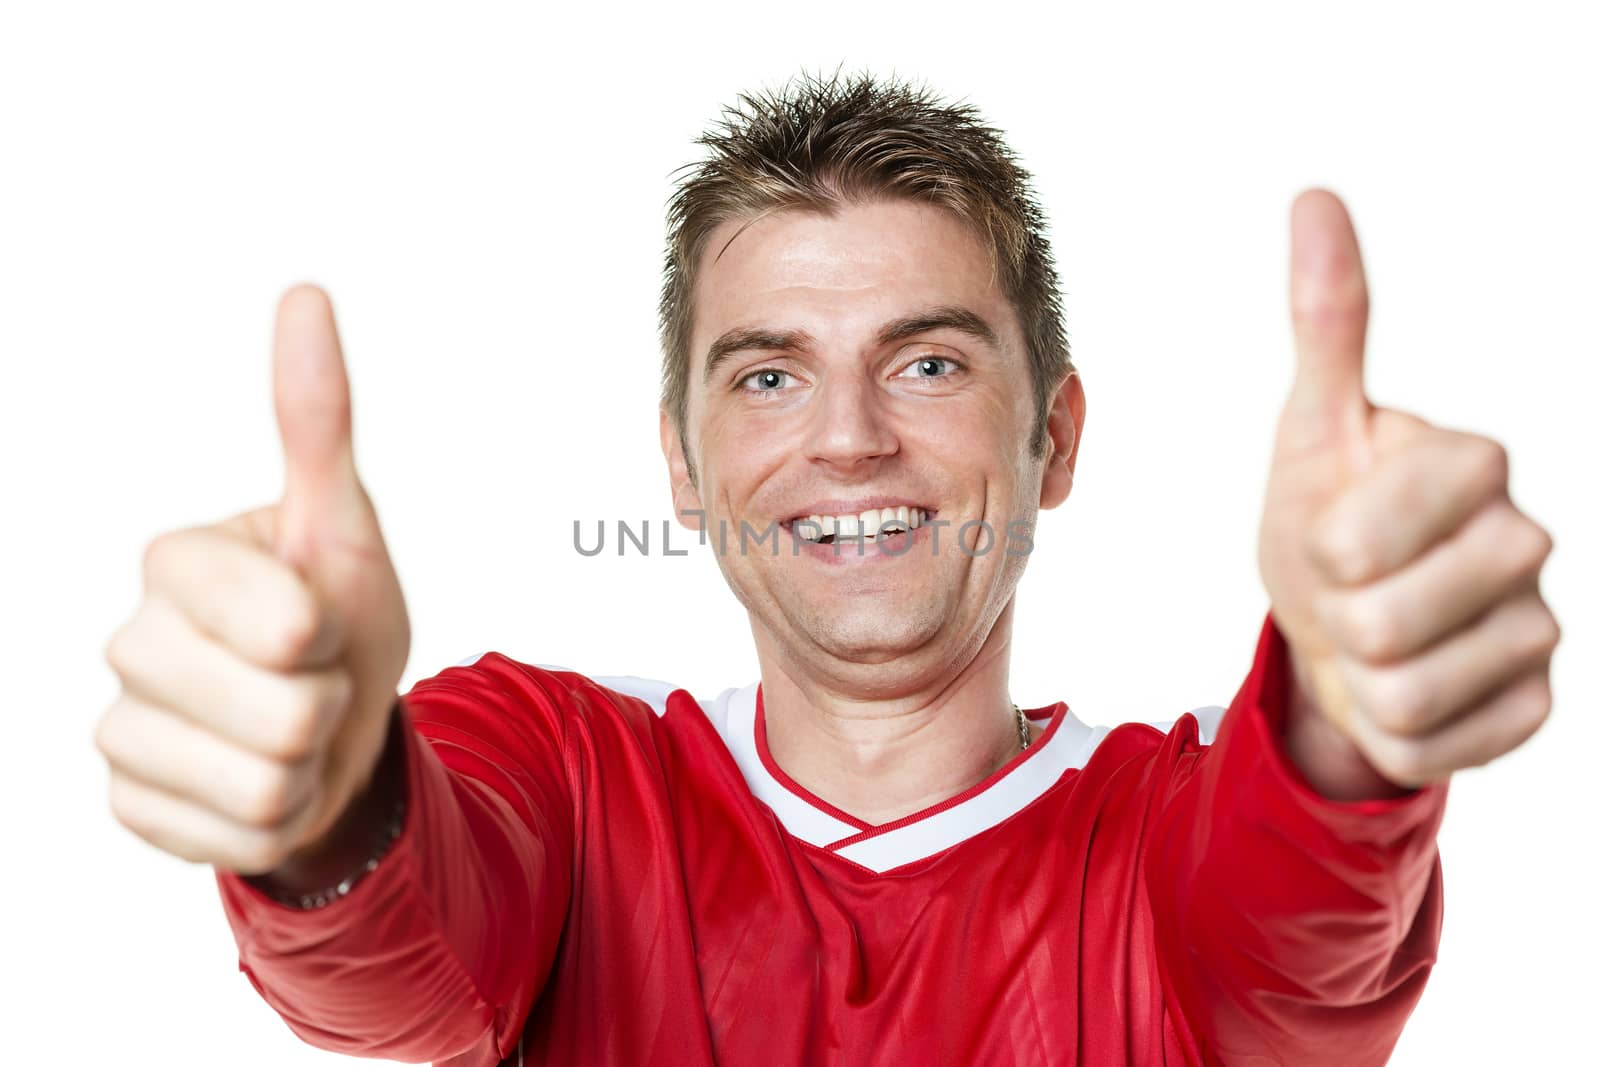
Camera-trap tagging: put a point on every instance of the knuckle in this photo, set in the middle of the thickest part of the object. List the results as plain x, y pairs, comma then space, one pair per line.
1517, 715
127, 809
155, 552
1533, 706
107, 734
258, 853
160, 555
1526, 548
1555, 629
298, 725
1491, 463
1405, 762
1540, 545
1401, 702
1319, 309
119, 650
294, 737
271, 801
1543, 634
1526, 711
1344, 553
1373, 631
293, 631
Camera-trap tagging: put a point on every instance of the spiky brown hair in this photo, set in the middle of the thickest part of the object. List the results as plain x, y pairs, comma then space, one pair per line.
817, 144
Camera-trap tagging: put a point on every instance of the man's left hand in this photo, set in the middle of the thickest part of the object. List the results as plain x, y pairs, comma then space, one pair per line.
1404, 579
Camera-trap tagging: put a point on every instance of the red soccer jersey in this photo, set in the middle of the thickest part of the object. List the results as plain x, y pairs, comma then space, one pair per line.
608, 871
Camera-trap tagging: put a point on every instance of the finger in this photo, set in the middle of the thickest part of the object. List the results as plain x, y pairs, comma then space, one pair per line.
166, 752
1491, 729
190, 832
257, 527
1420, 694
1410, 500
243, 597
162, 659
1328, 308
1495, 555
311, 393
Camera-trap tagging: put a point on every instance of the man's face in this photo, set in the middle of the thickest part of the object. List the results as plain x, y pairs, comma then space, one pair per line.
859, 362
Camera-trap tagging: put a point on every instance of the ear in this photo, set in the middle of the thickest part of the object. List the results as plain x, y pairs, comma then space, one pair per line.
1065, 427
685, 494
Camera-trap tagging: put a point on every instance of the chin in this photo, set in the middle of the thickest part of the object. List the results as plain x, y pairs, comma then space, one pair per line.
863, 639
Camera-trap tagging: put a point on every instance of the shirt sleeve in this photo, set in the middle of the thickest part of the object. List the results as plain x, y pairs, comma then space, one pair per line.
1290, 928
440, 950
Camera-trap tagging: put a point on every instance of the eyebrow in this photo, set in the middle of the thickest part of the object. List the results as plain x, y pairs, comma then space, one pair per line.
943, 317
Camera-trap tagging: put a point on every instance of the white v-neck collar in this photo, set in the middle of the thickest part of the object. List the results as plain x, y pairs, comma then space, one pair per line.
735, 719
1065, 744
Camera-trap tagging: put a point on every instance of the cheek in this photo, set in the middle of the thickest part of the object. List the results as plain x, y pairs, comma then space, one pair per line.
734, 455
966, 437
990, 411
953, 433
754, 433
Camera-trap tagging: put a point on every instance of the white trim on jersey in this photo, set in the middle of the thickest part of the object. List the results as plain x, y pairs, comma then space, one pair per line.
1048, 760
648, 690
735, 719
1209, 719
1069, 749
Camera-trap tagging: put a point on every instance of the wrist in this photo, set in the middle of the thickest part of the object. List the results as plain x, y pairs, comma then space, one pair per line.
355, 844
1329, 761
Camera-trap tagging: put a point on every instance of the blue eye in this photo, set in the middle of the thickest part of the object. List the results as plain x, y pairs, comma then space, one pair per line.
764, 381
931, 367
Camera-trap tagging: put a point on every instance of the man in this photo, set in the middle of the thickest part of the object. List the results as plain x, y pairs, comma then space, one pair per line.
871, 856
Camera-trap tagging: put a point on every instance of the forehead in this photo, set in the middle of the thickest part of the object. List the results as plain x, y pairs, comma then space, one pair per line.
840, 276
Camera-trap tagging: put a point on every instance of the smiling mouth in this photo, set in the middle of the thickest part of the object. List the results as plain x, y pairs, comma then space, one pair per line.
867, 527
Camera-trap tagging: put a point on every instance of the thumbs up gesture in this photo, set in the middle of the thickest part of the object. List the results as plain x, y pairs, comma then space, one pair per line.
1403, 578
260, 670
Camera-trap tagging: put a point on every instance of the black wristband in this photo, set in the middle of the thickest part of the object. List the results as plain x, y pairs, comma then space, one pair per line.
387, 788
323, 897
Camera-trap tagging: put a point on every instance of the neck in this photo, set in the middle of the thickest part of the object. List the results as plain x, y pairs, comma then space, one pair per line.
885, 753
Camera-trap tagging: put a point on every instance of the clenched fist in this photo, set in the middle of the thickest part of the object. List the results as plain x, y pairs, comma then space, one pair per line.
260, 670
1404, 579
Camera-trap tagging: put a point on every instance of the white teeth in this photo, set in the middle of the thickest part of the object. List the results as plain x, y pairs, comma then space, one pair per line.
814, 527
869, 525
893, 521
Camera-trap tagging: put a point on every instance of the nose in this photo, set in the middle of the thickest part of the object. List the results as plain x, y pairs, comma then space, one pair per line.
849, 424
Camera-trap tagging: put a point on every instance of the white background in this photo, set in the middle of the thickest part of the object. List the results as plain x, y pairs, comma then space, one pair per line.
482, 193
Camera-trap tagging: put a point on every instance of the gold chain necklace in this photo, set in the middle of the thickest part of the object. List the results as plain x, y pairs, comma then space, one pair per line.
1022, 726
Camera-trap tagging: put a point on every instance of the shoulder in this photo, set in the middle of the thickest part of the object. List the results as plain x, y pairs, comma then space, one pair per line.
1197, 728
554, 689
1141, 746
614, 743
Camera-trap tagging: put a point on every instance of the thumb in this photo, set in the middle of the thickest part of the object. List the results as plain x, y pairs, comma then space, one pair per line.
1328, 306
324, 506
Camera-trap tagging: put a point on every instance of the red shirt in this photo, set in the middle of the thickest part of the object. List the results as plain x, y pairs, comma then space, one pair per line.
608, 871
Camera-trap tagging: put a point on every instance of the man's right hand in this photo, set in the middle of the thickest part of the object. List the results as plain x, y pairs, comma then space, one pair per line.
261, 668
